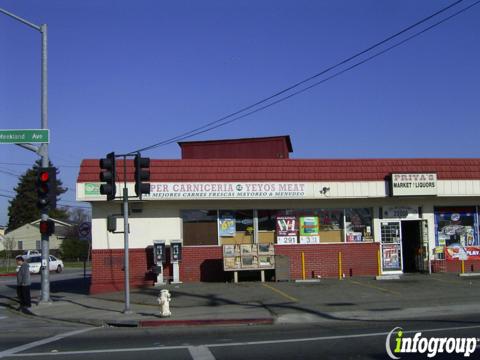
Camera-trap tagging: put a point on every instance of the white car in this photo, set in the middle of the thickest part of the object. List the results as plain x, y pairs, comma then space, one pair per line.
30, 253
35, 264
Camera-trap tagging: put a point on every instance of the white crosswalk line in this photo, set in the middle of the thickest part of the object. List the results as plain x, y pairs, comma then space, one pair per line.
200, 353
15, 350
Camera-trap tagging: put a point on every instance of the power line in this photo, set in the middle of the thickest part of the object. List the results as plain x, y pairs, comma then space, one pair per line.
10, 173
209, 126
27, 164
326, 79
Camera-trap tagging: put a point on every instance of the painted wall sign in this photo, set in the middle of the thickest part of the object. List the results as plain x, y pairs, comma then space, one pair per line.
222, 190
400, 212
414, 184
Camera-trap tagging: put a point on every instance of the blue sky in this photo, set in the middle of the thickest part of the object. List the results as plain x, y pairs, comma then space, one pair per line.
126, 74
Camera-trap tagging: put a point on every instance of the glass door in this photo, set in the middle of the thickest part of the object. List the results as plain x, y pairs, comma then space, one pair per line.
391, 246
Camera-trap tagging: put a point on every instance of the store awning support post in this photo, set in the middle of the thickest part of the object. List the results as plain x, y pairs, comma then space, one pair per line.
340, 272
379, 263
303, 265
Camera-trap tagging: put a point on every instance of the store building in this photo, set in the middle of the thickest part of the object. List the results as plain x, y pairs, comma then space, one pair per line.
348, 217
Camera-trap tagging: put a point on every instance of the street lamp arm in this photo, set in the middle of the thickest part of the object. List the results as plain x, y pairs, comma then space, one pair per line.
18, 18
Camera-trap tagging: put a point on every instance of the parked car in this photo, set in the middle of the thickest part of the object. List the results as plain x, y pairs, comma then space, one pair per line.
30, 253
35, 263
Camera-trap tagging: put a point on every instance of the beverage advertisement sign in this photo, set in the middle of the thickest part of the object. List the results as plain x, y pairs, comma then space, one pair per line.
391, 257
287, 230
459, 252
227, 225
308, 226
287, 226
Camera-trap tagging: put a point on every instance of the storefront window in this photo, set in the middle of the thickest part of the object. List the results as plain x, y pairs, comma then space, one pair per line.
199, 227
267, 223
236, 227
456, 226
358, 225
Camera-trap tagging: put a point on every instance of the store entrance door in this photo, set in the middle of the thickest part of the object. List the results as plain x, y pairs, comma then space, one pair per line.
412, 246
391, 246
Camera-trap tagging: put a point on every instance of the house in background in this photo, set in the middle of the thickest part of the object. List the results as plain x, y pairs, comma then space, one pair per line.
2, 237
27, 237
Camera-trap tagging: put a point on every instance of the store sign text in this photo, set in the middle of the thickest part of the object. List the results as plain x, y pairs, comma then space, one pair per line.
230, 190
414, 184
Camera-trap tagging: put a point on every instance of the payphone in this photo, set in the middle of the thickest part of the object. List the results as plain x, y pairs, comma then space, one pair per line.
175, 258
159, 258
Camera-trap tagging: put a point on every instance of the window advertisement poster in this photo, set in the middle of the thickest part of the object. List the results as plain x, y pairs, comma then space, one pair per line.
287, 230
309, 230
456, 225
227, 225
391, 257
458, 252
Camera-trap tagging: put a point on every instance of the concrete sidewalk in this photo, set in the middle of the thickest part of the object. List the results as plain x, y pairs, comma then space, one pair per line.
355, 299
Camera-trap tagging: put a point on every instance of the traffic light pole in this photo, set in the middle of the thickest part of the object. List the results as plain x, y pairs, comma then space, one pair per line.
108, 175
126, 310
45, 295
43, 150
126, 265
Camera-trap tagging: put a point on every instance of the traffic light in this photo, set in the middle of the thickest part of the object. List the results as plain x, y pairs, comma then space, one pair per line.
142, 173
108, 175
47, 227
47, 188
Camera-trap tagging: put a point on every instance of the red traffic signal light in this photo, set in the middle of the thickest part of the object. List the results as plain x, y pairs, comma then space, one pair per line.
44, 176
46, 188
47, 227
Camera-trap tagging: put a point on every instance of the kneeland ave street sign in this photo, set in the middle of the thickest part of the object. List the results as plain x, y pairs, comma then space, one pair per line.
25, 136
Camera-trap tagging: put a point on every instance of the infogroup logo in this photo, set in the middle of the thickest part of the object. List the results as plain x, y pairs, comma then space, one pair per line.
430, 346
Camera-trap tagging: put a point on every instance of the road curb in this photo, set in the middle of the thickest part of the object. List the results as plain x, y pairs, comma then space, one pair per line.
8, 274
200, 322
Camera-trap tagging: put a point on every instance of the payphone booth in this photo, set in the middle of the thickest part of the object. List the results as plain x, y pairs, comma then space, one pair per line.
159, 258
175, 258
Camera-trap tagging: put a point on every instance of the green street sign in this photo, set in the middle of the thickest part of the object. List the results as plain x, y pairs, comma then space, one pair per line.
25, 136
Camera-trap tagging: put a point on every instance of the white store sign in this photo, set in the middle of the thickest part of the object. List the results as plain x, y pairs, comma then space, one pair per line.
240, 190
314, 239
286, 240
414, 184
400, 212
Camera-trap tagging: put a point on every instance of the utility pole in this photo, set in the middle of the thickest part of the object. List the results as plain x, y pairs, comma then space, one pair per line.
42, 150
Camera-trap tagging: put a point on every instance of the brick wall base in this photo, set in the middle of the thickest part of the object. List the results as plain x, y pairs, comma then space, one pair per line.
358, 259
455, 266
204, 264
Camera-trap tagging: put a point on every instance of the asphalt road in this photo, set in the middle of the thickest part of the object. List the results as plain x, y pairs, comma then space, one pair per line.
332, 340
26, 337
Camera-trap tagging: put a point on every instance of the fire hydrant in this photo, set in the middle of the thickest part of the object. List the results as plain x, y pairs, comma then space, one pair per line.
164, 299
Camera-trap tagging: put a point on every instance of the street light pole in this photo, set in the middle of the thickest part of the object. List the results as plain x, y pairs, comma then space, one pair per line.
43, 151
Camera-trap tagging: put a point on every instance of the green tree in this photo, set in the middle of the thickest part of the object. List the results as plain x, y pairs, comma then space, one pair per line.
73, 248
23, 207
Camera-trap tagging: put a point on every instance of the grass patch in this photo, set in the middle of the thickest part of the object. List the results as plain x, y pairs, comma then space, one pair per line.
5, 270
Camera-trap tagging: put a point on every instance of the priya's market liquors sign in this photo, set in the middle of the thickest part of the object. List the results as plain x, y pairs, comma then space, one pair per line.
414, 184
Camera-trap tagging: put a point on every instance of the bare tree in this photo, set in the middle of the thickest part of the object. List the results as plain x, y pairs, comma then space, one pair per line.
9, 245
